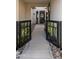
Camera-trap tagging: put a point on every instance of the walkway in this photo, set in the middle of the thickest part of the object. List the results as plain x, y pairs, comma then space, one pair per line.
39, 48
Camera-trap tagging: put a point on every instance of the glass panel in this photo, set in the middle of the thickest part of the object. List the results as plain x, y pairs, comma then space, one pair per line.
52, 29
55, 24
18, 40
52, 24
22, 25
22, 32
28, 32
55, 30
22, 35
26, 24
49, 23
49, 30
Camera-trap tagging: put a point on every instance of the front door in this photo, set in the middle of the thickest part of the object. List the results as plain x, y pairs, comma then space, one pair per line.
42, 17
36, 17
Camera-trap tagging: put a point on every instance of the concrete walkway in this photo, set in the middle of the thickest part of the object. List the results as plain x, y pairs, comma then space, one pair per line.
38, 47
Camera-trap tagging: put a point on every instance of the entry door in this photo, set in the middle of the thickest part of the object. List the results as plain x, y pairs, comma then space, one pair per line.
36, 17
42, 17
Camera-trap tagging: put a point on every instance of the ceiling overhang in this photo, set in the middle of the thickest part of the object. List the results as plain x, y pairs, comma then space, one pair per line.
37, 1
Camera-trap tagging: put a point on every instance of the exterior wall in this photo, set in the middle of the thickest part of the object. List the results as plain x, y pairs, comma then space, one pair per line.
28, 9
22, 10
56, 10
56, 14
17, 10
33, 16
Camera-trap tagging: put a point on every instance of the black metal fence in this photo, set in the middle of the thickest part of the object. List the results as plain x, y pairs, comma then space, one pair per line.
23, 33
54, 32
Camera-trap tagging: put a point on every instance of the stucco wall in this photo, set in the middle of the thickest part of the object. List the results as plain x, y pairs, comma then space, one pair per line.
23, 10
56, 10
17, 10
20, 10
28, 9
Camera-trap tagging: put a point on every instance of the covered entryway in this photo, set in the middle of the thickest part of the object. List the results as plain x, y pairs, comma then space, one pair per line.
37, 37
38, 47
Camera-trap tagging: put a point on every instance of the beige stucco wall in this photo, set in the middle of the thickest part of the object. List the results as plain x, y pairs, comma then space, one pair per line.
23, 10
28, 9
56, 10
17, 10
20, 10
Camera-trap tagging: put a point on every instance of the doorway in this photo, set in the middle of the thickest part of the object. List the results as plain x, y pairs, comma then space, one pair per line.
39, 15
42, 17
